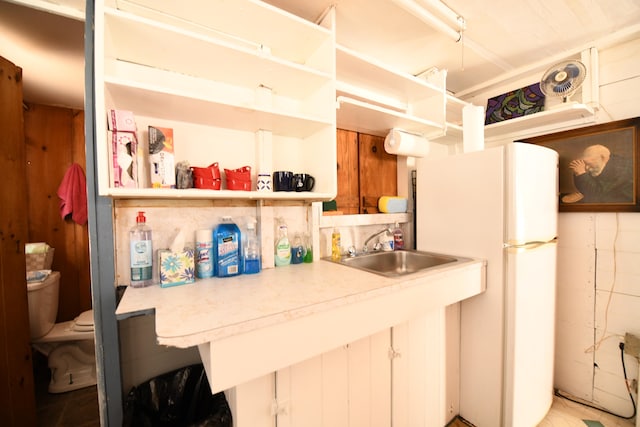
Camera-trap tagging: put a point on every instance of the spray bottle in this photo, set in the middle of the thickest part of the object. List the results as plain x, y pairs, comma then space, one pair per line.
252, 250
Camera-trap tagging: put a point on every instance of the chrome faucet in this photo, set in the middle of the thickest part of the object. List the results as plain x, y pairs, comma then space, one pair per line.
365, 249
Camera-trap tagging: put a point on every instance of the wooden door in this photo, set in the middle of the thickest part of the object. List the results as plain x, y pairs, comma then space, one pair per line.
378, 172
348, 199
17, 397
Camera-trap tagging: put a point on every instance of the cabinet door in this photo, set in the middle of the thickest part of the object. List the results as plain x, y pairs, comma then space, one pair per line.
347, 387
378, 172
348, 199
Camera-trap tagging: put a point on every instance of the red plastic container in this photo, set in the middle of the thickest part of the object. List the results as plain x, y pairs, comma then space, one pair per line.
238, 179
208, 178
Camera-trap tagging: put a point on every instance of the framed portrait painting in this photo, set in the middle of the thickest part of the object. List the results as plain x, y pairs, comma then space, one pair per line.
598, 166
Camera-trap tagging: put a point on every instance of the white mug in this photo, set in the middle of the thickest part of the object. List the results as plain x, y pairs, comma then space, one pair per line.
263, 182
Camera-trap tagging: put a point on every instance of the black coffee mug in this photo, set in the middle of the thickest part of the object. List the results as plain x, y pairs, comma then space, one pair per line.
283, 181
303, 182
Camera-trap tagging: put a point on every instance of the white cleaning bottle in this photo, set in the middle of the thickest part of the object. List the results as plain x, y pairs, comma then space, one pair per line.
141, 253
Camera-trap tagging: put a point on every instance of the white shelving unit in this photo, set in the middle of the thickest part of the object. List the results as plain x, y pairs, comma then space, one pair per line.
373, 98
562, 113
242, 83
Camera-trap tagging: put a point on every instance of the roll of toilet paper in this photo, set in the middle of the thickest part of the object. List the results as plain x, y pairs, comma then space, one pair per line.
472, 128
406, 144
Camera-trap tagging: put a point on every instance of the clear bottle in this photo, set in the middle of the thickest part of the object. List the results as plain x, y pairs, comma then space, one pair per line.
252, 250
283, 246
308, 255
398, 238
335, 245
141, 253
227, 251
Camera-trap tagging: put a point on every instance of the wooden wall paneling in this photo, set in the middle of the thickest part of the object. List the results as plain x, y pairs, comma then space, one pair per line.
348, 199
54, 140
17, 398
378, 172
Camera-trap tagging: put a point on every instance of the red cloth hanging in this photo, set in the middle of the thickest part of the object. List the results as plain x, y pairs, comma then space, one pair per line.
73, 195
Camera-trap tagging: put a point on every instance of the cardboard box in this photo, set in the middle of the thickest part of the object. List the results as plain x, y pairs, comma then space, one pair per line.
161, 157
176, 268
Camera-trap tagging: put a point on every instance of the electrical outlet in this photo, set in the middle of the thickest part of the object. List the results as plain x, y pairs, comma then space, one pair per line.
632, 345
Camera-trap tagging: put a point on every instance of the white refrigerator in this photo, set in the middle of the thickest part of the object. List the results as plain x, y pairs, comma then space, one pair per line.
499, 204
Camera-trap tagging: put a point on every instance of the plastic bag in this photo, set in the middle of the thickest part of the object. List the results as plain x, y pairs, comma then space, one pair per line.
178, 398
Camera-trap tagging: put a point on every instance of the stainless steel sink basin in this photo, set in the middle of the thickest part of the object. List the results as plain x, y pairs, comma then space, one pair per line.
398, 263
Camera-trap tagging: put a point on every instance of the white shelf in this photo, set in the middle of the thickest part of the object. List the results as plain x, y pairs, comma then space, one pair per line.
354, 69
196, 193
248, 22
139, 40
201, 104
559, 114
555, 118
376, 120
220, 72
373, 97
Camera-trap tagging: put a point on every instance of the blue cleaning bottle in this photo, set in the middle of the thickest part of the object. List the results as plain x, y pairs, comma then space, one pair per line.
227, 249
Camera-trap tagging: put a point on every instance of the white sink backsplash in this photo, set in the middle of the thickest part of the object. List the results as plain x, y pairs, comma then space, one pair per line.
189, 216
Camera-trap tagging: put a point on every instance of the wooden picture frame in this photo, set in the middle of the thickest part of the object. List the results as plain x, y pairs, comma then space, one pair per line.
585, 185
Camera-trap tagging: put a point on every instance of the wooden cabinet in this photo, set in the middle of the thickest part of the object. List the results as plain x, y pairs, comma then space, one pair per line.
348, 198
378, 172
241, 83
365, 172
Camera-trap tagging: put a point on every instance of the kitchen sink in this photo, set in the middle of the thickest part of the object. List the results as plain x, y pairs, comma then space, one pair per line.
397, 263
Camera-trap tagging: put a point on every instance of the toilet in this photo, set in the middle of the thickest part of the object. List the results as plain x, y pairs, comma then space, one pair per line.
68, 346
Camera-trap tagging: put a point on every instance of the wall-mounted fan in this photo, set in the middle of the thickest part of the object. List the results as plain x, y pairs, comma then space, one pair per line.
563, 79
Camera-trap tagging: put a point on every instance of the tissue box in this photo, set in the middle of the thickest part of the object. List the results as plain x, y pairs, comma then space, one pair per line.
161, 157
124, 166
176, 268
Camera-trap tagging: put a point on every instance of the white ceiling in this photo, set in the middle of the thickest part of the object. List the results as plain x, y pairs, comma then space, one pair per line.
501, 36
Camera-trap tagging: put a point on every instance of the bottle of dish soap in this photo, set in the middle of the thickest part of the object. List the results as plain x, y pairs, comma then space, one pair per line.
398, 238
252, 250
283, 246
227, 252
335, 245
141, 253
297, 250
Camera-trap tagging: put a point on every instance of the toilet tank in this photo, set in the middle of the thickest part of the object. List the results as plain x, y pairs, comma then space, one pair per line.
43, 304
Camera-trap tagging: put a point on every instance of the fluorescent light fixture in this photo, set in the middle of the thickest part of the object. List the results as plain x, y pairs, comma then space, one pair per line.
430, 19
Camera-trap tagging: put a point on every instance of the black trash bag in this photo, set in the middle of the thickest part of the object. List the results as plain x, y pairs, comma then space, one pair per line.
178, 398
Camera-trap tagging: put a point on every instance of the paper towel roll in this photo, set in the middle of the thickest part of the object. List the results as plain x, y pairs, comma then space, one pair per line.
472, 128
406, 144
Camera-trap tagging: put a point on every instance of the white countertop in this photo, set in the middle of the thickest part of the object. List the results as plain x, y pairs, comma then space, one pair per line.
228, 315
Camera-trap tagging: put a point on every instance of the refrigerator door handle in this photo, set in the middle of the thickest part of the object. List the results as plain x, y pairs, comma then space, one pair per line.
530, 245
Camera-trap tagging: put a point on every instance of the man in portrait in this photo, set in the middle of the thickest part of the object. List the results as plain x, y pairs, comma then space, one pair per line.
601, 177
